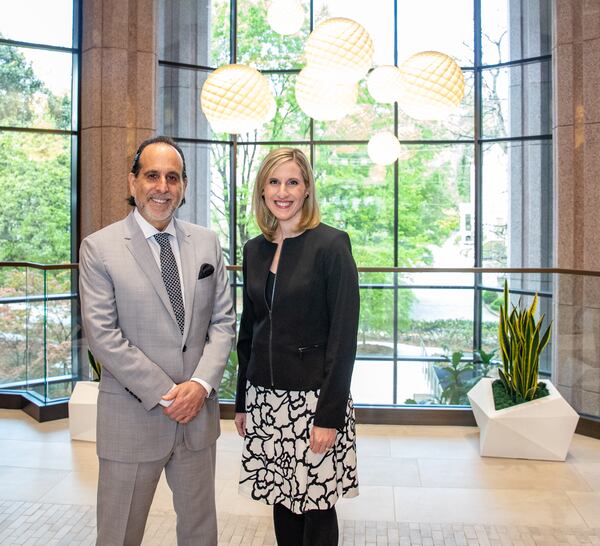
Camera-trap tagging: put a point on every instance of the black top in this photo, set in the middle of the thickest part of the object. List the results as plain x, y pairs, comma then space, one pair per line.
305, 339
269, 288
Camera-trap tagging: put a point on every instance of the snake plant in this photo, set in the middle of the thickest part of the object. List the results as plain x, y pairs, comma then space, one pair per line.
520, 347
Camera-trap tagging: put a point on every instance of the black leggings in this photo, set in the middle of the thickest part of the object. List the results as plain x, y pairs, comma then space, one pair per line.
312, 528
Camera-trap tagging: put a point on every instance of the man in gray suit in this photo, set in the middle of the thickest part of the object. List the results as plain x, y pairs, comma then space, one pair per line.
158, 316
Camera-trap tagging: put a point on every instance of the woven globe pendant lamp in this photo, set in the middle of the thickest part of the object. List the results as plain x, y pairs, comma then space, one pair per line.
322, 98
385, 83
236, 99
433, 85
341, 48
383, 148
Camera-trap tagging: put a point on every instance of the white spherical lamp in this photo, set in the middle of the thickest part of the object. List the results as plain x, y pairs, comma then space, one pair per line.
341, 48
384, 83
383, 148
433, 85
324, 99
285, 16
236, 99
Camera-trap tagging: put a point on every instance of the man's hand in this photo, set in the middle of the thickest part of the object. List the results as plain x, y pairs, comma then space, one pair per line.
188, 399
240, 423
322, 439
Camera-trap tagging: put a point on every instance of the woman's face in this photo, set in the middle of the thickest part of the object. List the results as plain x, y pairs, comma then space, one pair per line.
284, 193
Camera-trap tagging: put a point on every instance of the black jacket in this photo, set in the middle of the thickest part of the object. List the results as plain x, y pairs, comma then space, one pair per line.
308, 341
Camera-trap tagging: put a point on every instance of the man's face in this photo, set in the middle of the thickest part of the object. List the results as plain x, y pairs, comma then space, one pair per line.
159, 186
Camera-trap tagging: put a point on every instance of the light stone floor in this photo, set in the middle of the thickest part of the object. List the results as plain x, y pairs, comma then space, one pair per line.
419, 486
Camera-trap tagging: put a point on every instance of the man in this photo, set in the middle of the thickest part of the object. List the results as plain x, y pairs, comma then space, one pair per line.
158, 316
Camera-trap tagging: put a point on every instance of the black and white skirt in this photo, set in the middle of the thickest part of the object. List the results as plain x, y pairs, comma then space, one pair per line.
278, 466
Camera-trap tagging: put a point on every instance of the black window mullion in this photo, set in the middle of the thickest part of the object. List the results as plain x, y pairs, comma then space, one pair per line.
478, 165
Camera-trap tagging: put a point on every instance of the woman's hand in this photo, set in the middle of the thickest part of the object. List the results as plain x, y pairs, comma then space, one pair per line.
240, 423
322, 439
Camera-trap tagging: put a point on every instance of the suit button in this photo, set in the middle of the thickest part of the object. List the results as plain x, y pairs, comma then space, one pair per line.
184, 348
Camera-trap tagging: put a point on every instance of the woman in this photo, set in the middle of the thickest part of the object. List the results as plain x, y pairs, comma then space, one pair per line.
296, 350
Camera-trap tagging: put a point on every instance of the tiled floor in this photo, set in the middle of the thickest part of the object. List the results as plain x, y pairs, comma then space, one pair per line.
419, 485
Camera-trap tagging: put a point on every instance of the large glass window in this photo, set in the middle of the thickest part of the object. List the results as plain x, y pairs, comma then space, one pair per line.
39, 59
472, 190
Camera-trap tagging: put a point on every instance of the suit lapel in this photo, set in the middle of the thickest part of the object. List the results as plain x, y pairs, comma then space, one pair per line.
189, 273
138, 246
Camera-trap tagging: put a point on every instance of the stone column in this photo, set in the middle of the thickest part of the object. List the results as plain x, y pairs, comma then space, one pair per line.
118, 78
576, 133
530, 162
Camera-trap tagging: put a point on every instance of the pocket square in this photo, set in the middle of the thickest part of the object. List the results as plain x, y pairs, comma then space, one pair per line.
206, 270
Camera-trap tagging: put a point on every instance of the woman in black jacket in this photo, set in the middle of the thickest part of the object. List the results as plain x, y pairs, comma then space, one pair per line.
296, 350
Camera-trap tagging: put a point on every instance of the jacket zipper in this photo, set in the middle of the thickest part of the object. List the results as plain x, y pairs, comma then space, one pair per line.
271, 332
270, 307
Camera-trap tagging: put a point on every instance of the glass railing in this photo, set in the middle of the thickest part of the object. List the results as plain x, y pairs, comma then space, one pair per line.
38, 329
425, 337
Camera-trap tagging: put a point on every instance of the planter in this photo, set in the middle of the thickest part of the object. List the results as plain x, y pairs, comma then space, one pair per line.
82, 411
540, 429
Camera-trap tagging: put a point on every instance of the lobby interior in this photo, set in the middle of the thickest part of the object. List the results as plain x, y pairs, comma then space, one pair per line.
422, 479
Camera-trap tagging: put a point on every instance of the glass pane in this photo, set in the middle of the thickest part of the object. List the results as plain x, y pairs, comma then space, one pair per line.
358, 197
515, 30
36, 326
194, 32
438, 321
435, 206
13, 326
491, 301
207, 198
36, 332
517, 100
59, 338
180, 115
373, 382
35, 88
35, 191
289, 122
457, 126
378, 22
38, 21
495, 202
413, 383
260, 46
436, 25
376, 324
517, 204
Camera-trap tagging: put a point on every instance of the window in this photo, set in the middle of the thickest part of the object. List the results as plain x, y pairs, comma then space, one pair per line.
471, 190
39, 58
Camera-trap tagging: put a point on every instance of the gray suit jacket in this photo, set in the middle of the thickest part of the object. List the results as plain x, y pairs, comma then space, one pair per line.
132, 331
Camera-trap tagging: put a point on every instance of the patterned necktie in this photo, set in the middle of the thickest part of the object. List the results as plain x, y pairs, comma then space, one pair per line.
170, 275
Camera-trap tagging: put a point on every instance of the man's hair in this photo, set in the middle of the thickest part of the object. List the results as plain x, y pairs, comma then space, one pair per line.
136, 166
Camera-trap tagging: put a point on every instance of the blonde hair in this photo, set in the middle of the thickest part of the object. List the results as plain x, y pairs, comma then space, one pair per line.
310, 215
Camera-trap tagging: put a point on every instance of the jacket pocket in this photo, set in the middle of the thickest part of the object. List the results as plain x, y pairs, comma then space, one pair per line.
310, 348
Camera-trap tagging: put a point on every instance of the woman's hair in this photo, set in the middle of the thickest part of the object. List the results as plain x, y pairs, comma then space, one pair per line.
310, 215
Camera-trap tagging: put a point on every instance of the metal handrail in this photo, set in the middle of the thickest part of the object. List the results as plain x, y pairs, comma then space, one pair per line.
373, 269
44, 267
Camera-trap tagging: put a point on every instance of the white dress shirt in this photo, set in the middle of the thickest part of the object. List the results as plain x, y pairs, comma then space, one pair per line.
149, 232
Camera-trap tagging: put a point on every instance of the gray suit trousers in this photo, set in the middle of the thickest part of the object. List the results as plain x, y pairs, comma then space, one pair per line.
126, 490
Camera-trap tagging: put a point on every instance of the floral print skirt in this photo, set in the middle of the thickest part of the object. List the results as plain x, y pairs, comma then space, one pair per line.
278, 466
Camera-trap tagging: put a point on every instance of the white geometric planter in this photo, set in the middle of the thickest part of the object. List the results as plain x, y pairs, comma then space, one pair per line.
540, 429
82, 411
